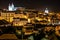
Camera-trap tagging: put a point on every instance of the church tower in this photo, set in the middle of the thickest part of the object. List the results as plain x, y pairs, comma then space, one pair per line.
11, 7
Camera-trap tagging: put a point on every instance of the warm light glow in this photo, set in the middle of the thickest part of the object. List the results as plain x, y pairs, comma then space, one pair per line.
18, 31
57, 30
49, 20
25, 17
28, 20
40, 13
39, 19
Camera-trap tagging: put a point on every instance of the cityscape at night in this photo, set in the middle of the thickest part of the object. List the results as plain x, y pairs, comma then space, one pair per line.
29, 20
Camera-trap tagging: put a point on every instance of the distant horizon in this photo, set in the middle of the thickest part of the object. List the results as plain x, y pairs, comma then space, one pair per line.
53, 5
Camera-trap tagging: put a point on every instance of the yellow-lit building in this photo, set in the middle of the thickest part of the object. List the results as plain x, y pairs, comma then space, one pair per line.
29, 15
8, 16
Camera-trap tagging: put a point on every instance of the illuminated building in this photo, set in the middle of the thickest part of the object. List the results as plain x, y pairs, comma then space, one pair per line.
46, 10
11, 7
28, 14
19, 21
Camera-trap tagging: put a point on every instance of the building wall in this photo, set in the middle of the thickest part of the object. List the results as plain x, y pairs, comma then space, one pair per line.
30, 16
7, 16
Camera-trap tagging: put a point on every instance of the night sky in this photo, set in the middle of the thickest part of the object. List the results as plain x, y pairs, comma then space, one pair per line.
53, 5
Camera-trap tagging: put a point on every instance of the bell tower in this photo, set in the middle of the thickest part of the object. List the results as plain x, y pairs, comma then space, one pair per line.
11, 7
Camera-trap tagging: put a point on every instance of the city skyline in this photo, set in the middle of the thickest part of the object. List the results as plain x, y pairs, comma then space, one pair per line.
29, 19
52, 5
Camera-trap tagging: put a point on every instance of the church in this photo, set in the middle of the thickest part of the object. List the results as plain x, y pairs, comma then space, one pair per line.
11, 7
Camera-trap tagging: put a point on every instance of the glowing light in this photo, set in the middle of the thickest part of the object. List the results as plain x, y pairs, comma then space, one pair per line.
46, 11
11, 7
49, 20
59, 22
29, 20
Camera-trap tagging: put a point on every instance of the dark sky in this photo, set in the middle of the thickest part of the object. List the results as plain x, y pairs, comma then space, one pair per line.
37, 4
